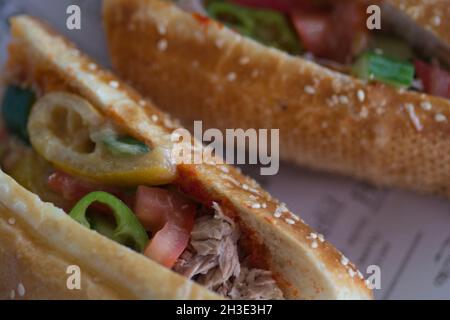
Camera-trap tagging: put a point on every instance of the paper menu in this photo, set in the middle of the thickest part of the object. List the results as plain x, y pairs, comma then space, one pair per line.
407, 235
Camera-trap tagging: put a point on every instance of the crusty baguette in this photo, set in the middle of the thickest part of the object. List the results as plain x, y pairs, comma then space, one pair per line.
429, 14
198, 69
39, 242
303, 264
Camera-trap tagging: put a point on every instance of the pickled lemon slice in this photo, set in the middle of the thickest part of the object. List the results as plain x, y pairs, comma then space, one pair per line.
71, 134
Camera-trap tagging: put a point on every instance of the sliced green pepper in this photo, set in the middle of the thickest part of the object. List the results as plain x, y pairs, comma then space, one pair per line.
125, 146
266, 26
16, 107
272, 29
103, 225
371, 66
128, 232
391, 47
234, 16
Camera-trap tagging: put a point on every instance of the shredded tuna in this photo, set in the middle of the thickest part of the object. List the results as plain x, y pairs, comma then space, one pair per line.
212, 259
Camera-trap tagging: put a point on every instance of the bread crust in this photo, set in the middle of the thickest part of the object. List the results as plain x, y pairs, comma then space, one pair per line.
301, 269
429, 14
328, 121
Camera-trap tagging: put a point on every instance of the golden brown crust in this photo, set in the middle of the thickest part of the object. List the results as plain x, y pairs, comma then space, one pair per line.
430, 14
39, 242
306, 265
327, 120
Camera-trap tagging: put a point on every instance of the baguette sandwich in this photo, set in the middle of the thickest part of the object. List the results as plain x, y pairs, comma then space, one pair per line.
370, 104
87, 183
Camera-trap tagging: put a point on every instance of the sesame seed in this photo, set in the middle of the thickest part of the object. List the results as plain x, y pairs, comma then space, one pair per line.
92, 66
310, 90
343, 99
439, 117
219, 43
162, 29
264, 206
351, 272
245, 187
426, 105
142, 103
256, 206
313, 235
155, 118
226, 170
75, 52
289, 221
19, 206
321, 237
244, 60
361, 95
4, 188
231, 76
12, 221
360, 275
437, 20
277, 214
344, 261
414, 118
253, 197
314, 244
162, 45
114, 84
364, 113
21, 290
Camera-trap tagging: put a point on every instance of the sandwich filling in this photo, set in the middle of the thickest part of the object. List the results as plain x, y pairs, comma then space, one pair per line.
333, 34
57, 145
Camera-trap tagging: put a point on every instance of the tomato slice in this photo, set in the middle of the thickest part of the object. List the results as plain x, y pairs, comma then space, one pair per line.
435, 80
314, 29
167, 245
337, 34
73, 189
170, 218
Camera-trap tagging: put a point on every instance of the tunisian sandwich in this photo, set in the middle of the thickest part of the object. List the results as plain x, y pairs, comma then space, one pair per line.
371, 104
135, 224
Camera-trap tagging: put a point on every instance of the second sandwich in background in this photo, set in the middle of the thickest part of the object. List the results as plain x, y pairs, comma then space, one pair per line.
362, 103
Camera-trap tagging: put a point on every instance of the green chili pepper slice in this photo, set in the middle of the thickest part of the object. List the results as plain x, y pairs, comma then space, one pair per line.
268, 27
371, 66
391, 47
16, 107
103, 225
234, 16
125, 146
273, 29
128, 232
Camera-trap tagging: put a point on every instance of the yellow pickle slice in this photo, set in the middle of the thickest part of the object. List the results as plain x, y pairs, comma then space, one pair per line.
71, 134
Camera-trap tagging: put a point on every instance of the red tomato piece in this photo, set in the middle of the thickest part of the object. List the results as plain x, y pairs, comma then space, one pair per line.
435, 80
170, 217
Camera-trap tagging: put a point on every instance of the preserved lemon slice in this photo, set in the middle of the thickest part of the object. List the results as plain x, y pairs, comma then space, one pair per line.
70, 133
